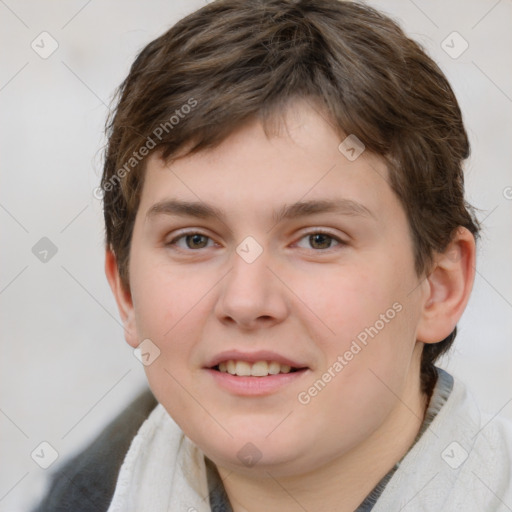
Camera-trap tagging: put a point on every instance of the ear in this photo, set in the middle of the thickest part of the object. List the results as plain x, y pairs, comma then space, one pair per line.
123, 298
449, 287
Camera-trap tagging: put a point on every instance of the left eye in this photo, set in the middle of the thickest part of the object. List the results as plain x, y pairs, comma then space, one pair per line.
321, 240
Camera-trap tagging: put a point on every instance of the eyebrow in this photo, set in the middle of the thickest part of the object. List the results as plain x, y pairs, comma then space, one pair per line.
296, 210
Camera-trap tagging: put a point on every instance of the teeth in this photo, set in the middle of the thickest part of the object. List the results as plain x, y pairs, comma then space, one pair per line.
257, 369
230, 367
243, 368
274, 368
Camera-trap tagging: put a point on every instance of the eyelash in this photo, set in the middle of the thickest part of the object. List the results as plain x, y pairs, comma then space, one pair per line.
340, 242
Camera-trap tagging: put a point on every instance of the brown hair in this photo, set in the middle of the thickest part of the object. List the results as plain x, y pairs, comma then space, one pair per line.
233, 60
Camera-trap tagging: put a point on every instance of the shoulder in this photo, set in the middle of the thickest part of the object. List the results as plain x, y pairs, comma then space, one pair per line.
492, 454
86, 482
475, 453
488, 435
482, 444
463, 460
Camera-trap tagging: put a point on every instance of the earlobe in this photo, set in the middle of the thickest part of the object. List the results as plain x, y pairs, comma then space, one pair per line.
123, 298
449, 288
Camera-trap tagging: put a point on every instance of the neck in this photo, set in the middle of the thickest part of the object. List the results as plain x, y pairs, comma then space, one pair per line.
343, 483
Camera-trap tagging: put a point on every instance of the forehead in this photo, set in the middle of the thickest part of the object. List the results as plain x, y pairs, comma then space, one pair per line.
299, 171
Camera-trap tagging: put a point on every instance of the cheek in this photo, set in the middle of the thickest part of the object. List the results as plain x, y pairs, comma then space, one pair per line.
163, 295
166, 313
170, 306
367, 331
349, 303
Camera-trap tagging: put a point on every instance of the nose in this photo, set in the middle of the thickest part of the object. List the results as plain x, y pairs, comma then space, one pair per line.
251, 296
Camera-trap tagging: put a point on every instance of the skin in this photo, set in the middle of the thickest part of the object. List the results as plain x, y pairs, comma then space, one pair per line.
305, 300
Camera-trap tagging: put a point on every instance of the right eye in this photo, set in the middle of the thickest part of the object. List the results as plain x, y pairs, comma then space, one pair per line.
193, 241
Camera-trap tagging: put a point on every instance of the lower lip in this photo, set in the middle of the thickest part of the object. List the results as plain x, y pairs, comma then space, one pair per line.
254, 386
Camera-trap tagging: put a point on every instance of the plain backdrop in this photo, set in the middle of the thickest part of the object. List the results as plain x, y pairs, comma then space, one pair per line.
65, 368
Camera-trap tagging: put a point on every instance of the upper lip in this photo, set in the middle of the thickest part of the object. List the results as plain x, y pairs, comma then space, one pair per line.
253, 357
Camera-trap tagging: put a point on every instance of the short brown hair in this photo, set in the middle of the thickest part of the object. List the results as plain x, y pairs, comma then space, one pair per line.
233, 60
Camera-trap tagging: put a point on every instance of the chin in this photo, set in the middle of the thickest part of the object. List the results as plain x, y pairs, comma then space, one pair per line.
256, 454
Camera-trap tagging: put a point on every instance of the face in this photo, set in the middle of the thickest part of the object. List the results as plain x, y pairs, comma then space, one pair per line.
284, 263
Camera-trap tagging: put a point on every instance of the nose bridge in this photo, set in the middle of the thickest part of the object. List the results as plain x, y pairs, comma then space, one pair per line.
250, 292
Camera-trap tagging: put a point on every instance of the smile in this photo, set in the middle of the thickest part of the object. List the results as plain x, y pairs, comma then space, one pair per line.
256, 369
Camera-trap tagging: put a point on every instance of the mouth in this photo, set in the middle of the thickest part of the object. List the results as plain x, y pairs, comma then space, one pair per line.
260, 373
261, 368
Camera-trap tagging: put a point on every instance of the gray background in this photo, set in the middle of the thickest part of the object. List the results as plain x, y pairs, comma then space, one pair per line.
65, 368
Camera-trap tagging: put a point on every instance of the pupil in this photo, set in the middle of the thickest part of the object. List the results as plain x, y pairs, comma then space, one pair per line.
196, 239
313, 239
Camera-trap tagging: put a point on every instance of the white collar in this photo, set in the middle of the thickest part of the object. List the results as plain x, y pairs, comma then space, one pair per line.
163, 470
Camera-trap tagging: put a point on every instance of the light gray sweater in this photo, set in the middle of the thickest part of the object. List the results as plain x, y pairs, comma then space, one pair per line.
462, 462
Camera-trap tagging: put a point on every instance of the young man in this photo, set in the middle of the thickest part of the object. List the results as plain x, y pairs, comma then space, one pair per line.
290, 250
